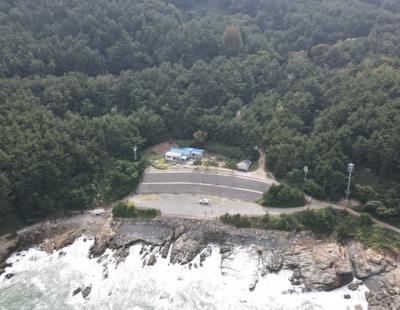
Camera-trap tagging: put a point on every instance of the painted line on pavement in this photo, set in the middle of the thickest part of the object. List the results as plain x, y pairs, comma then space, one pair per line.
202, 184
211, 173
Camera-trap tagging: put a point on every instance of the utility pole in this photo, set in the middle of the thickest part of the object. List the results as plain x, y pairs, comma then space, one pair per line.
305, 169
350, 170
135, 148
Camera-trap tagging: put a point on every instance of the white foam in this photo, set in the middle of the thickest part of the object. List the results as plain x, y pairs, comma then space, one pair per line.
44, 281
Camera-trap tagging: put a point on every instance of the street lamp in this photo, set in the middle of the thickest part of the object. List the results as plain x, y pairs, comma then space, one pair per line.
135, 148
350, 170
305, 169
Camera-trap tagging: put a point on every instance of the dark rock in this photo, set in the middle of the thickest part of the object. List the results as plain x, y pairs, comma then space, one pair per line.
2, 271
225, 248
5, 265
9, 275
76, 291
98, 248
152, 260
86, 291
62, 253
274, 264
346, 296
190, 266
354, 285
165, 249
205, 253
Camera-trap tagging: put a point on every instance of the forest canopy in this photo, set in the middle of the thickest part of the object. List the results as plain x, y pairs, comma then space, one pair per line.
317, 83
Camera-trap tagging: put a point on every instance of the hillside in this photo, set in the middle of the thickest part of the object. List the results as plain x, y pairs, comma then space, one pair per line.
317, 82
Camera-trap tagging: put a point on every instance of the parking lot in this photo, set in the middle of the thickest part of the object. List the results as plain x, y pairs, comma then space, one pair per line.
188, 205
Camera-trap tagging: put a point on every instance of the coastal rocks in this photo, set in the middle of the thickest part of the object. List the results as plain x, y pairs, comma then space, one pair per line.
353, 286
366, 262
152, 260
86, 291
8, 276
384, 291
2, 271
185, 249
99, 246
60, 241
205, 253
274, 261
324, 266
76, 291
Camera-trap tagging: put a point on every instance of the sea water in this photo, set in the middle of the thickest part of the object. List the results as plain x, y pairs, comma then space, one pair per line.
47, 281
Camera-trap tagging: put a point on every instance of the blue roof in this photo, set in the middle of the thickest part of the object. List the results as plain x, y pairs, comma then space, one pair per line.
194, 150
188, 151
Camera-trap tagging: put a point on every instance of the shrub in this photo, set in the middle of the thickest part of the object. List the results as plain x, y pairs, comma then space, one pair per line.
364, 193
125, 210
197, 162
295, 178
236, 220
226, 150
311, 188
231, 164
210, 162
283, 196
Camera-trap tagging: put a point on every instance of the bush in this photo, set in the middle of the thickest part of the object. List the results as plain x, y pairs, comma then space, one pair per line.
311, 188
295, 178
231, 164
197, 162
364, 193
225, 150
236, 220
209, 162
125, 210
283, 196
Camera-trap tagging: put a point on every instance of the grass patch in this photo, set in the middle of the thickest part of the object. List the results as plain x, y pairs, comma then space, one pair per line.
324, 222
128, 210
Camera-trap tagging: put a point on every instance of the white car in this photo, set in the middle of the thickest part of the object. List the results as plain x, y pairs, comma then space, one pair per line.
204, 201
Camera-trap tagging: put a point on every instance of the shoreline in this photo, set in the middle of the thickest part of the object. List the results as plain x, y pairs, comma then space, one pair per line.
317, 264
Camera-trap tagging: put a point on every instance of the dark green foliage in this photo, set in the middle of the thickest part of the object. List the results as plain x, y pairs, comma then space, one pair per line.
283, 196
125, 210
123, 178
314, 82
311, 188
231, 164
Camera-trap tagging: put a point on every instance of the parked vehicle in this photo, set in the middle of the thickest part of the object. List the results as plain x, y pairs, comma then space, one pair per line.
204, 201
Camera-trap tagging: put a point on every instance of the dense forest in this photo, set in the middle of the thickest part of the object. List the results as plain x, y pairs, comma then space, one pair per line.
316, 82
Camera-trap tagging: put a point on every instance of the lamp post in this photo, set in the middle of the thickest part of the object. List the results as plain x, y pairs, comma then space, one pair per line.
350, 170
135, 148
305, 169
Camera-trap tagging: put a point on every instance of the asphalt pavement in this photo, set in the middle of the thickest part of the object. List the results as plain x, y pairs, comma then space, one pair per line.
206, 183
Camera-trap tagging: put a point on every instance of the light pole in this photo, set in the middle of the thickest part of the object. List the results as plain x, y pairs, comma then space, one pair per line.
305, 169
135, 148
350, 170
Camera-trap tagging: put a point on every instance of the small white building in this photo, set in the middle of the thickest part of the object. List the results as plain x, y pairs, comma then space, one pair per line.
175, 156
244, 165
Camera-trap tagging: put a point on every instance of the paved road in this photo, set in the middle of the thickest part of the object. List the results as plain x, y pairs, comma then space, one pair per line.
206, 183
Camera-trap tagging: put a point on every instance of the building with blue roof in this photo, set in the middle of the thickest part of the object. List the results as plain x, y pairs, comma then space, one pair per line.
183, 154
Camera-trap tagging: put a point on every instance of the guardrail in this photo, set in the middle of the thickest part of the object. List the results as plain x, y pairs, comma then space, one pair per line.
196, 217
